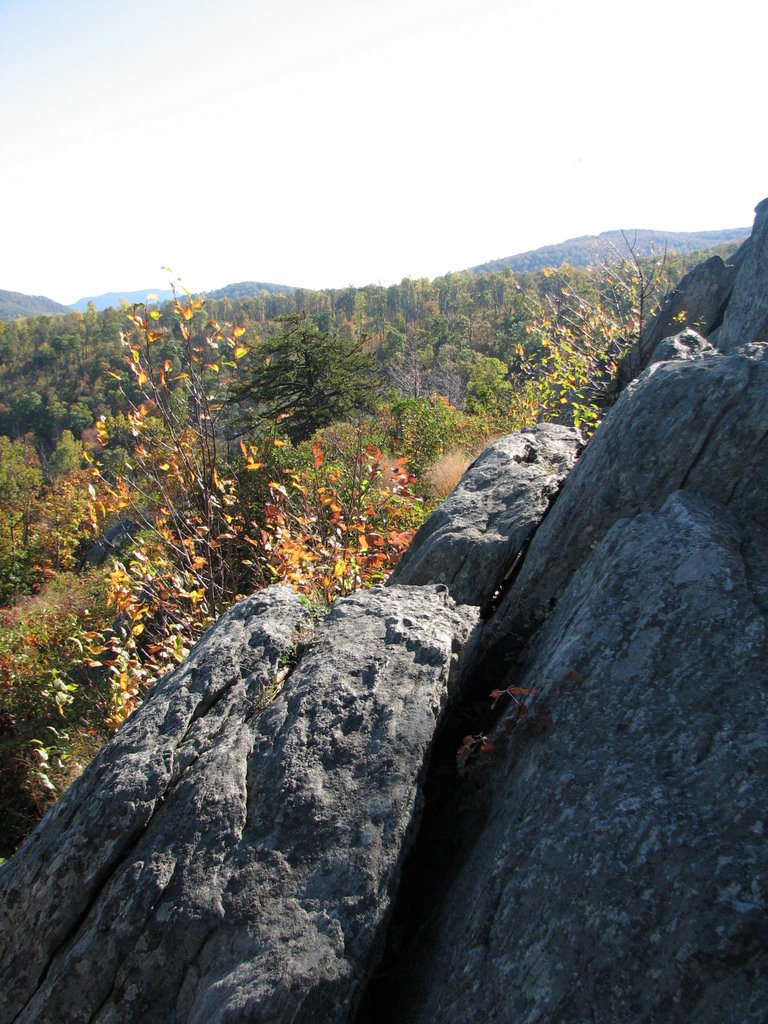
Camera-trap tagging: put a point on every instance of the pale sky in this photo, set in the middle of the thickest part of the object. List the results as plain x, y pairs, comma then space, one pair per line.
339, 142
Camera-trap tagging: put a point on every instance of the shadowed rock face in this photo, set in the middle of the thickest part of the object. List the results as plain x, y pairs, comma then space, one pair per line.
622, 874
698, 301
746, 315
239, 850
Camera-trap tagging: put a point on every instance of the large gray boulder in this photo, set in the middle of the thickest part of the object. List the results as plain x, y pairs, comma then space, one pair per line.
700, 425
622, 872
688, 344
231, 859
472, 539
699, 302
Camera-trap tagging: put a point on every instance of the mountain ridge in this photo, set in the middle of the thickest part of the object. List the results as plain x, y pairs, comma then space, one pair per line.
16, 304
578, 251
581, 250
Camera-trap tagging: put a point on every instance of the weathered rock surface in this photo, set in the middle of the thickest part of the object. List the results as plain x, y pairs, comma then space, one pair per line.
109, 543
688, 344
622, 874
470, 541
746, 314
699, 302
225, 862
697, 425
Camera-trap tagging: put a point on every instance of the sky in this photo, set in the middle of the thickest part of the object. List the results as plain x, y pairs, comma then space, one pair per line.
323, 143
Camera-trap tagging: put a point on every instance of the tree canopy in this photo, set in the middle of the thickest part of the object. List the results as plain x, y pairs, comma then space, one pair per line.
310, 377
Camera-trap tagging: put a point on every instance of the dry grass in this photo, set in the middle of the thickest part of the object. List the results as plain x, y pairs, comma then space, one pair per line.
447, 471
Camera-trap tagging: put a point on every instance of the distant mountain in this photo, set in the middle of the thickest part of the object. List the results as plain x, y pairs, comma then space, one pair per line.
14, 305
589, 249
246, 289
116, 298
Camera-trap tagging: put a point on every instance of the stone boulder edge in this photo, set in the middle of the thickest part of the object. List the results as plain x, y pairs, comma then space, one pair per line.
688, 344
746, 314
699, 301
699, 425
222, 860
52, 883
472, 539
622, 874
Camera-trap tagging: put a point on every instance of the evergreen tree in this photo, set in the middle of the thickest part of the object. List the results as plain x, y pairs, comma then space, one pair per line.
309, 376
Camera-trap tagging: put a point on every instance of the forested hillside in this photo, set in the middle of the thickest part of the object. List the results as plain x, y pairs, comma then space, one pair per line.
609, 246
426, 337
14, 305
218, 445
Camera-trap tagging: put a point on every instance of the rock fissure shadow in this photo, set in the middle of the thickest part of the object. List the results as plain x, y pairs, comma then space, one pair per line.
491, 606
456, 807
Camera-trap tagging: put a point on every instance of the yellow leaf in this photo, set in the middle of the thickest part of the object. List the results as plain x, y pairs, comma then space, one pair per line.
240, 351
238, 332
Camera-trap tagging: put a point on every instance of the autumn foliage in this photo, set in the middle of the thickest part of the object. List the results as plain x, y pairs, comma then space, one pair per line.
240, 454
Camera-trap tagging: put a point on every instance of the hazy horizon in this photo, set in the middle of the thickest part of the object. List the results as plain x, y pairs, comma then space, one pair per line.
322, 146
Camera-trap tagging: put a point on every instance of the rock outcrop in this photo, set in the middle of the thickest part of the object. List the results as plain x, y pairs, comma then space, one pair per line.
746, 314
228, 857
280, 832
622, 872
471, 540
697, 425
699, 302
